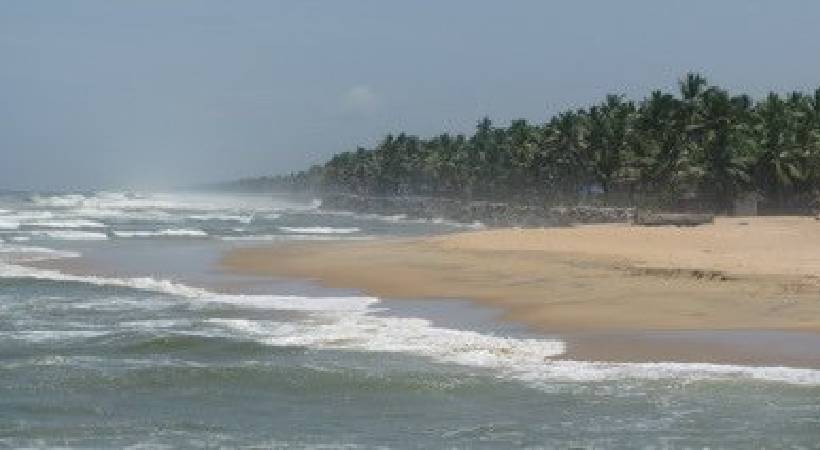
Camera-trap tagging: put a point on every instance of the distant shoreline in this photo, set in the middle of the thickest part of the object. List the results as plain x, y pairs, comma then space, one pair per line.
617, 282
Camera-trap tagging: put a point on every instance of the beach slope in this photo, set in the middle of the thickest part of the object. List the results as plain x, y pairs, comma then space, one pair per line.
739, 273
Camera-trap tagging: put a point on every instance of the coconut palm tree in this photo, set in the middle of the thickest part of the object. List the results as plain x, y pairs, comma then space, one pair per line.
700, 139
778, 165
727, 146
608, 131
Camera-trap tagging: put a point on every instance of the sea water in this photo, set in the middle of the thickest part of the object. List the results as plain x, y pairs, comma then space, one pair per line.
139, 340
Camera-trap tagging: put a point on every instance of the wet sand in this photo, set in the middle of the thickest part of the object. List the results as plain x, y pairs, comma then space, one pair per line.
612, 290
741, 347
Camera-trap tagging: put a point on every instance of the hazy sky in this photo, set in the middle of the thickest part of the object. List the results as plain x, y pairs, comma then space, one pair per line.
108, 93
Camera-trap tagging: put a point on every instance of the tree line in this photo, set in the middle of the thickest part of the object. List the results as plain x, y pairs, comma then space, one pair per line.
701, 141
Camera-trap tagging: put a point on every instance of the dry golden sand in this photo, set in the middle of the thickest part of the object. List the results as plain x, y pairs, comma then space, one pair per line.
755, 273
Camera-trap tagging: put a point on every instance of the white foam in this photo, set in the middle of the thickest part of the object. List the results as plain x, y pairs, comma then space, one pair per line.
118, 206
296, 303
564, 370
154, 324
533, 361
320, 230
245, 219
70, 235
8, 224
60, 201
75, 223
143, 283
42, 219
18, 253
105, 200
153, 215
345, 323
5, 248
364, 332
295, 237
40, 336
161, 233
355, 323
29, 215
179, 201
281, 302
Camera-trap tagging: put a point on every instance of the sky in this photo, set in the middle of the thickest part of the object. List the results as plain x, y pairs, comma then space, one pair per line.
157, 93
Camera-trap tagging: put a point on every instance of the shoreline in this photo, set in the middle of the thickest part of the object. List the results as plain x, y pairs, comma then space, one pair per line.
734, 347
611, 290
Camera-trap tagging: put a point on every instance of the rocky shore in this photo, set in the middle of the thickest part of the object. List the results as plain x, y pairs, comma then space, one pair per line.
493, 214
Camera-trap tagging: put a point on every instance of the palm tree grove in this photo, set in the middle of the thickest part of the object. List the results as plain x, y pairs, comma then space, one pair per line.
704, 142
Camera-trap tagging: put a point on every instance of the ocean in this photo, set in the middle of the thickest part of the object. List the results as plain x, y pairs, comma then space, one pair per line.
118, 329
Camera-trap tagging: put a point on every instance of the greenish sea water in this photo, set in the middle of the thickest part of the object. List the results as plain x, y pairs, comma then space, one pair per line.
146, 345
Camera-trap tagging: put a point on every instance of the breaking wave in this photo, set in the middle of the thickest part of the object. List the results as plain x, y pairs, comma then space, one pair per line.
161, 233
356, 324
320, 230
70, 235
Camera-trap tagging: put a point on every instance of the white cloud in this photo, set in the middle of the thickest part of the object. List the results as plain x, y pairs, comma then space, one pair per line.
360, 98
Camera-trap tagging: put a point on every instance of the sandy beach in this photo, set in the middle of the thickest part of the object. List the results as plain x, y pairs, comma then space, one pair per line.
737, 274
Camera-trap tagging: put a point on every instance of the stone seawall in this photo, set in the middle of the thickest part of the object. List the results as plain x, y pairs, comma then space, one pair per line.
493, 214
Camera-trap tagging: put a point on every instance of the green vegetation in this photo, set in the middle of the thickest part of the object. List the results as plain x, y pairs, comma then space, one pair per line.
702, 141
